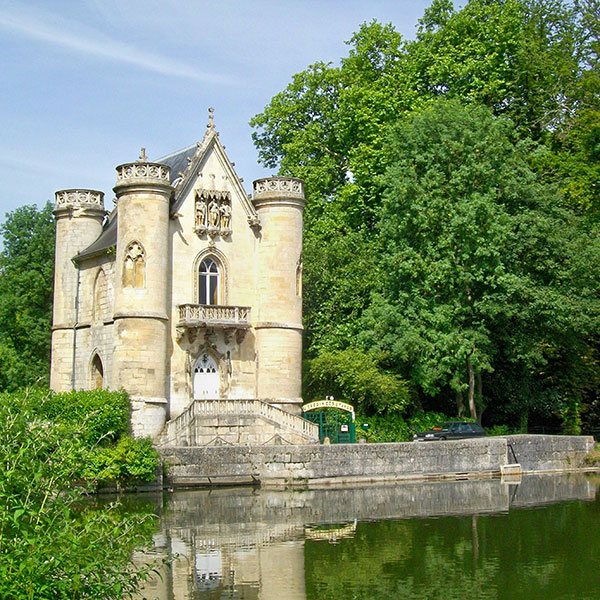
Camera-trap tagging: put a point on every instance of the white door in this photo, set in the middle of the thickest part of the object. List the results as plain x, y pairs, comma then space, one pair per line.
206, 378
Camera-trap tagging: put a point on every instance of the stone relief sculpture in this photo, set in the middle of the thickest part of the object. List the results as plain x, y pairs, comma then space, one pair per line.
134, 267
201, 211
225, 217
213, 213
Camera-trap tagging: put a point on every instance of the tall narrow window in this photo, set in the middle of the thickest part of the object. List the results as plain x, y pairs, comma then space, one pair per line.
100, 297
209, 282
299, 278
97, 372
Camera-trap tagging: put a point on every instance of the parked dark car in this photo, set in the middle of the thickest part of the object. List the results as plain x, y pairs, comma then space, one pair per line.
452, 430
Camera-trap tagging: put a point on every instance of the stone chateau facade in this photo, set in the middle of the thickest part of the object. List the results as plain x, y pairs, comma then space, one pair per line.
188, 295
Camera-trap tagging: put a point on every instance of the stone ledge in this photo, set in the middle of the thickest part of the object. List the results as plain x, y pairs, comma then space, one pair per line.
276, 325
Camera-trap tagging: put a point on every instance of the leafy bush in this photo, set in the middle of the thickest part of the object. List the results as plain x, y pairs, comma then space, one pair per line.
105, 414
426, 420
53, 544
98, 421
498, 430
383, 428
131, 460
392, 427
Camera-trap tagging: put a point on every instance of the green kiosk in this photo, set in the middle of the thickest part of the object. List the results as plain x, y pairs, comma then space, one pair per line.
335, 420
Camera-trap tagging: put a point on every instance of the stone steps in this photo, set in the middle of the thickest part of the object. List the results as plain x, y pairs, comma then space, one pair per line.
237, 422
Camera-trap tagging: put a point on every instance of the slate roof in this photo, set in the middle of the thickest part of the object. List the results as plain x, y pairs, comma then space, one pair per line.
178, 161
107, 239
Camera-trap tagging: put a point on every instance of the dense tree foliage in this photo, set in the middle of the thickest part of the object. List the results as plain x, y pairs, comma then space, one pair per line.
479, 255
533, 62
26, 275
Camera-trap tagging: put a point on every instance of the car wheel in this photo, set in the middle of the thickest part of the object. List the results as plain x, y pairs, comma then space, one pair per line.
442, 439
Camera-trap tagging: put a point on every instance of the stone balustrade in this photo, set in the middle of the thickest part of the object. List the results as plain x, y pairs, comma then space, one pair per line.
143, 172
194, 314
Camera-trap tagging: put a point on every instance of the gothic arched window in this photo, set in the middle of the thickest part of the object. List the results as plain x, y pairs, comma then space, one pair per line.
134, 269
209, 282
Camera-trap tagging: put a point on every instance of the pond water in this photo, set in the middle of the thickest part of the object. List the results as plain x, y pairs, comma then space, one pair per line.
536, 539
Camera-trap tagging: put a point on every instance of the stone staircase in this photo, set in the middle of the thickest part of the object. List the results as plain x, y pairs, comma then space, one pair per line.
249, 422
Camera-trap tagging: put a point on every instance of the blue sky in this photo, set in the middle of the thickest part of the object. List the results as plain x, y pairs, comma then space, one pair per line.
86, 83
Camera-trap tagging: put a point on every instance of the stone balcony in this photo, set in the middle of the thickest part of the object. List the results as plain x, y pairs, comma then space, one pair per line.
194, 316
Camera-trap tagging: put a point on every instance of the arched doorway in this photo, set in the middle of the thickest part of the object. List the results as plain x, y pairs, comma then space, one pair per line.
206, 378
97, 372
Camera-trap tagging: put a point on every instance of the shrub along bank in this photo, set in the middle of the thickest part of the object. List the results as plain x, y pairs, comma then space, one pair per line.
56, 448
100, 421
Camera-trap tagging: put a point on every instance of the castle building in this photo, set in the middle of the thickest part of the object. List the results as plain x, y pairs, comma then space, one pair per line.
188, 295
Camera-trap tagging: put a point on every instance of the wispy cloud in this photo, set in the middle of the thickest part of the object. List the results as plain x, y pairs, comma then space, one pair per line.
13, 162
98, 45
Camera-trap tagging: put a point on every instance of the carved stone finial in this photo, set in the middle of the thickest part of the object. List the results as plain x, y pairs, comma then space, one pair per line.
143, 157
211, 118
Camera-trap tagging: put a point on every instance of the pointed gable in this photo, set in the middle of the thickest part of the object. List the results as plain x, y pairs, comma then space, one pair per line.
187, 166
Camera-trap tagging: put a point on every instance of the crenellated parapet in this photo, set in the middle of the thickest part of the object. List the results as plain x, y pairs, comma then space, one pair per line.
280, 189
78, 200
143, 172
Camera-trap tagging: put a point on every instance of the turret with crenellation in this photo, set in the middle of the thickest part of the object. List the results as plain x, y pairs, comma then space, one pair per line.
79, 215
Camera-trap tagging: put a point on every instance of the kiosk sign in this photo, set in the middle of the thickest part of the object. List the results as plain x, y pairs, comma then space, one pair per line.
329, 403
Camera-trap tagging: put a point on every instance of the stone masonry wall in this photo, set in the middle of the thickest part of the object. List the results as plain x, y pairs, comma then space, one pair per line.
343, 463
350, 463
548, 452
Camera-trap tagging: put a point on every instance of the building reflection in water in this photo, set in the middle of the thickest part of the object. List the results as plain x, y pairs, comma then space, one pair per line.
247, 544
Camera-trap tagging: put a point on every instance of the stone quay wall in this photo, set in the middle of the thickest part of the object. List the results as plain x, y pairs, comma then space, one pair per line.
548, 452
316, 466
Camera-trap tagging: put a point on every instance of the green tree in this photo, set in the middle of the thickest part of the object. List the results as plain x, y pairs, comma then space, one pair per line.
328, 127
535, 61
521, 58
526, 59
479, 255
355, 377
26, 275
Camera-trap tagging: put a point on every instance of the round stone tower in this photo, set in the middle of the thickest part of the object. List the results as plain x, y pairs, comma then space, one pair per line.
279, 202
79, 215
142, 263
